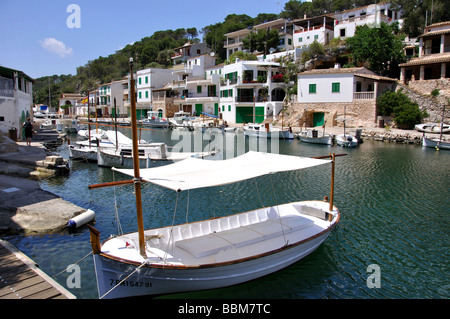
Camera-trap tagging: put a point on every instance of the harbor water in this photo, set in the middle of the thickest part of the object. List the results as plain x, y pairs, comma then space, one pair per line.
392, 241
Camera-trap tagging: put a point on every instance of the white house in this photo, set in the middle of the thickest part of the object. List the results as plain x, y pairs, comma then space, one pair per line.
146, 81
323, 94
250, 91
189, 50
195, 91
347, 21
16, 100
308, 30
235, 43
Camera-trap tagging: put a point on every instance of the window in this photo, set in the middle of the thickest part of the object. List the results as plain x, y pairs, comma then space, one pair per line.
140, 94
300, 39
146, 79
312, 88
342, 32
336, 87
199, 89
211, 90
146, 94
139, 80
229, 108
316, 37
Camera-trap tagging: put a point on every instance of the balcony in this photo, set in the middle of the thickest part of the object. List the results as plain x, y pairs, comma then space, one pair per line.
363, 95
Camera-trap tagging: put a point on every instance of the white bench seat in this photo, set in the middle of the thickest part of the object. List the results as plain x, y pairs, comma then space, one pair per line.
209, 244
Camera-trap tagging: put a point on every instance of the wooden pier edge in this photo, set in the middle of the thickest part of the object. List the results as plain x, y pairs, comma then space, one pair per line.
25, 260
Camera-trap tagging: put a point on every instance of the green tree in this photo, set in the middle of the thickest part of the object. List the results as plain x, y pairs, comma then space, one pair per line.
405, 113
418, 13
380, 46
262, 40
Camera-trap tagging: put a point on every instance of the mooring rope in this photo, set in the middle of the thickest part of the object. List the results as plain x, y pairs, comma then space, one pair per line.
118, 284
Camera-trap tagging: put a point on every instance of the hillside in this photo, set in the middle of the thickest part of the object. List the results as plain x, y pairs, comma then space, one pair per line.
156, 50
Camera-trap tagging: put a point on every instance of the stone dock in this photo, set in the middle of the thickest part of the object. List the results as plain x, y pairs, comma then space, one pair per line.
390, 135
24, 206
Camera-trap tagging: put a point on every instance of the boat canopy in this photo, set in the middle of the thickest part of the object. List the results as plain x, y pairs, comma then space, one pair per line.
121, 138
194, 173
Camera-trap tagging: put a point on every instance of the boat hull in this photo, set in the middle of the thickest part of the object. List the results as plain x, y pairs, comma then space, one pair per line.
83, 153
346, 140
157, 281
434, 143
213, 253
286, 135
324, 140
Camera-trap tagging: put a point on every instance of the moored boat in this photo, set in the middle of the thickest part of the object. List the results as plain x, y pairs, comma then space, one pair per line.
435, 128
435, 143
154, 120
268, 131
315, 137
346, 140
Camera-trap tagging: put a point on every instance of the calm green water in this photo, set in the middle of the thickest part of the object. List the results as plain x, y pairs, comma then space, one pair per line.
393, 200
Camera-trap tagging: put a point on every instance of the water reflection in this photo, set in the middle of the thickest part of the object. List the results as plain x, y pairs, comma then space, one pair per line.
393, 200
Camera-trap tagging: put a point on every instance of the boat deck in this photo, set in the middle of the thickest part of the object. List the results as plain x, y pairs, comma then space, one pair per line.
20, 278
225, 239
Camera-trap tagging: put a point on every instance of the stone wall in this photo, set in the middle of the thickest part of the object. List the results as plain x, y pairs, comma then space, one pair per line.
359, 113
420, 93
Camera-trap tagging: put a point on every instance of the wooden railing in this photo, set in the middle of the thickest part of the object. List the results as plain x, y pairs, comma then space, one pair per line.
363, 95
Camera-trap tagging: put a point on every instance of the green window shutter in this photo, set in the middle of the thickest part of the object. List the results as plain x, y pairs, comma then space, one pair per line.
229, 108
199, 89
336, 87
140, 95
230, 92
146, 94
312, 88
146, 79
139, 80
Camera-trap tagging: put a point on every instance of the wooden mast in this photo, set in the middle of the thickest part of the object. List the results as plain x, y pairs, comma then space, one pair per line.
137, 178
332, 181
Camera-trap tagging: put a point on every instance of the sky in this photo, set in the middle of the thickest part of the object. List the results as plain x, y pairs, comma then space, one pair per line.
48, 37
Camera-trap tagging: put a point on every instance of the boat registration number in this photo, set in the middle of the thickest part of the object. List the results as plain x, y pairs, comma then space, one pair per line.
129, 283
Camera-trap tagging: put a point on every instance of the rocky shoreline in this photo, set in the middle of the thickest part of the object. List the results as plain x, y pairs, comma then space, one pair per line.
390, 135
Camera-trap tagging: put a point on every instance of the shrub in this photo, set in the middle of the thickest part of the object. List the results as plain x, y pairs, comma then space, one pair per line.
405, 113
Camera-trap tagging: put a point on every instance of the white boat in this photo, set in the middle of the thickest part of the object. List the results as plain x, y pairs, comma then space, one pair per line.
47, 125
315, 137
122, 156
73, 127
267, 130
433, 128
216, 252
153, 120
87, 150
181, 120
435, 143
95, 133
346, 140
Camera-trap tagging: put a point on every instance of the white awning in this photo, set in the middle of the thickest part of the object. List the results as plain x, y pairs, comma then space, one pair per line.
194, 173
